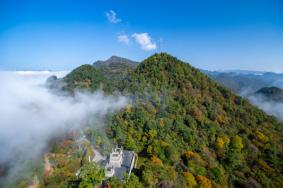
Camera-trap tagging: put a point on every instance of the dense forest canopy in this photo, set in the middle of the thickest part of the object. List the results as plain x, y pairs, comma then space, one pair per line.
187, 130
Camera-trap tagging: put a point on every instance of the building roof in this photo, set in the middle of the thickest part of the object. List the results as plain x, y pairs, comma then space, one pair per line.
128, 157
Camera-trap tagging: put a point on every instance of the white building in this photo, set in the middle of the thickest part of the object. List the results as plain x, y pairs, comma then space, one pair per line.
120, 163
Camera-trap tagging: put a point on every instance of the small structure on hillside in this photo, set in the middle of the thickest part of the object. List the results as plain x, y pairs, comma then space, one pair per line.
120, 163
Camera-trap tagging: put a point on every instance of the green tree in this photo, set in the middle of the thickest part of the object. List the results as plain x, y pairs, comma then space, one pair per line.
90, 175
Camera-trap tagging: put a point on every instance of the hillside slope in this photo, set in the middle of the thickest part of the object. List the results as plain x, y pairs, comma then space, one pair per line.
189, 130
86, 77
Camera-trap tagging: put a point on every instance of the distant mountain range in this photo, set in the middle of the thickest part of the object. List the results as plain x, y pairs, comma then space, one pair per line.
246, 82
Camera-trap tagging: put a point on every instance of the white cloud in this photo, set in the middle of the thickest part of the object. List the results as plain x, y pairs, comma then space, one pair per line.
112, 17
30, 115
144, 40
123, 39
270, 107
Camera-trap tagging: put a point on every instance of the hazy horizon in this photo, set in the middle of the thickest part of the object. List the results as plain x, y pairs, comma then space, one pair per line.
68, 70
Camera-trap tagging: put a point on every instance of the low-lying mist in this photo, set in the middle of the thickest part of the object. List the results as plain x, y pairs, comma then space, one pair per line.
274, 108
30, 114
270, 107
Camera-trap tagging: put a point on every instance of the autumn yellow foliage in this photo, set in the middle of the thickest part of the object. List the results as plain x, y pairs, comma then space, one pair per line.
221, 119
238, 143
190, 179
222, 141
155, 160
204, 182
261, 136
191, 154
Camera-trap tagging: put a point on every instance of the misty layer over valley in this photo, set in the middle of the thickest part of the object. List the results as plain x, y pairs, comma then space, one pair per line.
270, 100
263, 89
30, 115
270, 107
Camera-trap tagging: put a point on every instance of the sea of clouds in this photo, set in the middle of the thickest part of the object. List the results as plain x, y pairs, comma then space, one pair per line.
30, 114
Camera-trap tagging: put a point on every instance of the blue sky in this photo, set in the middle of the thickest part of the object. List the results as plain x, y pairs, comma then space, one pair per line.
213, 35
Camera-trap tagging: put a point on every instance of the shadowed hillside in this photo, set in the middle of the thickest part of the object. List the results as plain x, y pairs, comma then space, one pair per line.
271, 93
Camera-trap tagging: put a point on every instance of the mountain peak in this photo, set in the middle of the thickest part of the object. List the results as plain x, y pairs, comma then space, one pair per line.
115, 60
161, 57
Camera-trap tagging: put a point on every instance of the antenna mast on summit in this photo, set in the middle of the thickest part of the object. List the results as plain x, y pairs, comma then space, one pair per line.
160, 41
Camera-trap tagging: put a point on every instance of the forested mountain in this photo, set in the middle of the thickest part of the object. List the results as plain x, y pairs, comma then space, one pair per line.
86, 77
115, 68
115, 60
271, 93
187, 130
